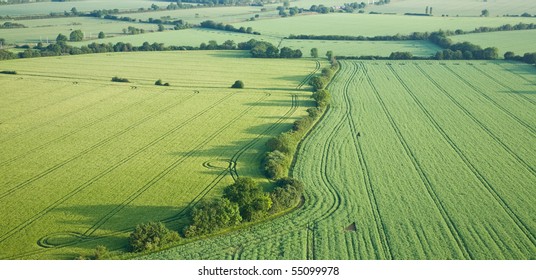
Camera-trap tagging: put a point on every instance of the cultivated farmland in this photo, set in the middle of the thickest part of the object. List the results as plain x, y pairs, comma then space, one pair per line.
519, 42
84, 160
414, 160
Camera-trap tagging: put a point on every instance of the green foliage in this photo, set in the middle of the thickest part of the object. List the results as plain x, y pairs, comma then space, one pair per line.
322, 98
314, 52
151, 236
286, 194
302, 124
8, 72
210, 216
276, 164
252, 201
76, 36
284, 142
318, 82
61, 38
238, 84
329, 55
102, 35
120, 80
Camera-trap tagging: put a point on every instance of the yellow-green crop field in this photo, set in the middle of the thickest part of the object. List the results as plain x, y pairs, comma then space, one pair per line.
414, 160
83, 160
373, 25
519, 42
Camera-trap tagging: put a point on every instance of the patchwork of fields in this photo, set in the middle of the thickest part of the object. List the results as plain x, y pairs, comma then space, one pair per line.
84, 160
414, 160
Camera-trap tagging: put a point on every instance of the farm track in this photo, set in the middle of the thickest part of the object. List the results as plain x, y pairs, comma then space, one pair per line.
86, 151
110, 169
380, 225
479, 123
166, 171
453, 230
484, 182
53, 120
64, 136
304, 81
495, 80
506, 111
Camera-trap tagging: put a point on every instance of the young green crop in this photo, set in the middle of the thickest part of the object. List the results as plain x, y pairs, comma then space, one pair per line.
414, 160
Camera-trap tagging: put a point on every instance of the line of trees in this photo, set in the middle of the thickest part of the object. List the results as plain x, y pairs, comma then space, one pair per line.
11, 25
261, 49
227, 27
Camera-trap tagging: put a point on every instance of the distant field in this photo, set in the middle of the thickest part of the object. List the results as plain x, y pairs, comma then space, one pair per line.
84, 160
414, 160
41, 29
358, 48
519, 42
371, 25
185, 37
459, 7
84, 5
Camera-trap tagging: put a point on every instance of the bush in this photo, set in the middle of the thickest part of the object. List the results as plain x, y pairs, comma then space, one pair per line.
252, 201
276, 164
286, 194
302, 124
238, 84
150, 236
284, 142
8, 72
158, 83
322, 98
120, 80
318, 82
209, 216
314, 113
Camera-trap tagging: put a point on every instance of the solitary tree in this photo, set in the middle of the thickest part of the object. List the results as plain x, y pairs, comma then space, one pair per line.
76, 36
161, 27
102, 35
485, 13
238, 84
427, 9
314, 52
329, 55
61, 38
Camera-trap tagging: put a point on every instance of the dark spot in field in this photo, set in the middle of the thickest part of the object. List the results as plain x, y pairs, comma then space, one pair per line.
351, 227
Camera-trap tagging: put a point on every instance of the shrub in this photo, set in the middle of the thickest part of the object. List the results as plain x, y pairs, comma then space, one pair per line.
209, 216
238, 84
318, 82
158, 83
150, 236
252, 201
302, 124
284, 142
120, 80
276, 164
286, 194
314, 112
322, 98
8, 72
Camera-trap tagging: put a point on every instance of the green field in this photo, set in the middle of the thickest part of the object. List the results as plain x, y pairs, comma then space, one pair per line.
39, 30
84, 160
84, 5
358, 48
519, 42
443, 169
186, 37
459, 7
372, 25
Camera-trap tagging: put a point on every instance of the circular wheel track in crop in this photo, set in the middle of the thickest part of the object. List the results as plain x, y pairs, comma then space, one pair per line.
484, 182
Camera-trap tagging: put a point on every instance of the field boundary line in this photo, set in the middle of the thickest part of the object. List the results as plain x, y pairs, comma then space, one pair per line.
308, 77
517, 119
484, 182
478, 122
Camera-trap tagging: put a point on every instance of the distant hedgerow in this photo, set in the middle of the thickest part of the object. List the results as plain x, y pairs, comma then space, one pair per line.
120, 80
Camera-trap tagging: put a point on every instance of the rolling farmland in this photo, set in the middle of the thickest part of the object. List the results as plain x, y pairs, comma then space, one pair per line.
519, 42
414, 160
84, 160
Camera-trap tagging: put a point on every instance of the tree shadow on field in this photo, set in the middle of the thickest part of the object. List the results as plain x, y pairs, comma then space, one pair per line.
271, 103
292, 78
231, 54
